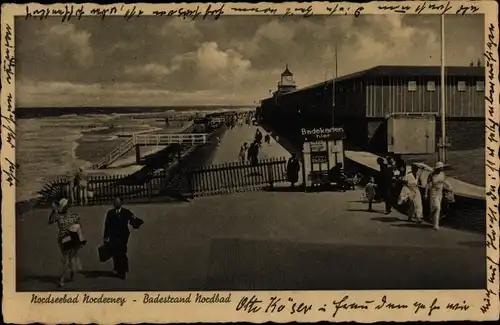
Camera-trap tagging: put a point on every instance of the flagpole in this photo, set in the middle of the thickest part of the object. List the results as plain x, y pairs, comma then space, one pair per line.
333, 85
443, 97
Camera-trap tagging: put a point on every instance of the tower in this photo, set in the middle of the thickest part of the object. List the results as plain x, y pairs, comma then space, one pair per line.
286, 83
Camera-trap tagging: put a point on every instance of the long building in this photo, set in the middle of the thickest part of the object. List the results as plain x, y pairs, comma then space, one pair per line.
366, 104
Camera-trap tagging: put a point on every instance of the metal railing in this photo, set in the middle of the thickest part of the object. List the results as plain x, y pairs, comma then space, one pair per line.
165, 139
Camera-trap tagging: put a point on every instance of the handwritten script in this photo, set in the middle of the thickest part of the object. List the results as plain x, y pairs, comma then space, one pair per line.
275, 304
492, 133
9, 61
216, 10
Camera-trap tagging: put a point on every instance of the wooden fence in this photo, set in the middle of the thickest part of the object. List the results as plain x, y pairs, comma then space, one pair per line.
102, 189
237, 177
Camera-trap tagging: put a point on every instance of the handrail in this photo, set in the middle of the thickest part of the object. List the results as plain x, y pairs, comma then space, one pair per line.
160, 139
150, 139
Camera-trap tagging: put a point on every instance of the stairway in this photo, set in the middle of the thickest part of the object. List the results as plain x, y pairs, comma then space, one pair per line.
118, 152
150, 140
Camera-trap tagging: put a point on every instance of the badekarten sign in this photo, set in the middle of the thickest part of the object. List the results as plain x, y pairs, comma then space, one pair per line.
320, 133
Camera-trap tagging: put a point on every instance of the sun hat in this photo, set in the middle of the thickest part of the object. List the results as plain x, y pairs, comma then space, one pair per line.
439, 165
62, 204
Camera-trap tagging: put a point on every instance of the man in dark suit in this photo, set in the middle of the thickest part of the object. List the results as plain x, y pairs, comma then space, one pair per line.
384, 184
116, 234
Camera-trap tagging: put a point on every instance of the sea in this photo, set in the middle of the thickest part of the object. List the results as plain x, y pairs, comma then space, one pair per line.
46, 145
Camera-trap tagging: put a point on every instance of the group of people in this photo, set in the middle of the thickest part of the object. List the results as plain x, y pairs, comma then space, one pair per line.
78, 190
71, 240
398, 184
250, 153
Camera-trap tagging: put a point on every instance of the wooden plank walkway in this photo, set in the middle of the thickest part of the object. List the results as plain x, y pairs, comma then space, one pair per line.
460, 188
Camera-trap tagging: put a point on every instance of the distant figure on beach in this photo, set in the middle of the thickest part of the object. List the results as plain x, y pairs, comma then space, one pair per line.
117, 233
70, 238
243, 153
370, 190
81, 181
72, 188
292, 170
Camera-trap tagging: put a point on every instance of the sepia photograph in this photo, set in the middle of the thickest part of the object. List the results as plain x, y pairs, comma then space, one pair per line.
249, 153
279, 155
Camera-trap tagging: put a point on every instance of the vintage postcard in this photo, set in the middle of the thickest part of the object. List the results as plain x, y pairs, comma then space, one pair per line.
224, 162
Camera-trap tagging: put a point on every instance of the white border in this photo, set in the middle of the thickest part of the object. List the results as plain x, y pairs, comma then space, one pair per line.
17, 307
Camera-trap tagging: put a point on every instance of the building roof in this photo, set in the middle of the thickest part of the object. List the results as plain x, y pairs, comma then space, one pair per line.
429, 71
287, 72
393, 70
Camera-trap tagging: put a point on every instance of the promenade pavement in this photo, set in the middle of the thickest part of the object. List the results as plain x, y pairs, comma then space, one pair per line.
229, 148
278, 240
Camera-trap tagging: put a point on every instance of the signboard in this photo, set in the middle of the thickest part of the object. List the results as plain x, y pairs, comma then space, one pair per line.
320, 133
319, 159
319, 146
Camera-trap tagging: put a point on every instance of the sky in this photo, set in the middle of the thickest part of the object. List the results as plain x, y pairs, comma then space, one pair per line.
236, 60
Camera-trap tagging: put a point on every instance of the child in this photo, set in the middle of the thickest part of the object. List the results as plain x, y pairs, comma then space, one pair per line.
370, 192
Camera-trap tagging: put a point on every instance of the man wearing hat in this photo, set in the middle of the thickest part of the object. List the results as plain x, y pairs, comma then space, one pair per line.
117, 233
434, 192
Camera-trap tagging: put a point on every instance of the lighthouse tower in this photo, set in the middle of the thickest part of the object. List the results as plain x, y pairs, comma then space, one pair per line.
286, 83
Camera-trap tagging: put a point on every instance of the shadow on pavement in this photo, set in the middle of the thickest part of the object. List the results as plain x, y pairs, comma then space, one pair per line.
478, 244
42, 278
413, 225
241, 264
386, 219
97, 274
366, 211
286, 189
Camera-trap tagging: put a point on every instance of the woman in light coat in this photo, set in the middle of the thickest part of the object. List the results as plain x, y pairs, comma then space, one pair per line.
434, 191
411, 193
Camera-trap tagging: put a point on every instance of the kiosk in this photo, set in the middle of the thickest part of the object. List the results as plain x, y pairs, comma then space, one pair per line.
322, 149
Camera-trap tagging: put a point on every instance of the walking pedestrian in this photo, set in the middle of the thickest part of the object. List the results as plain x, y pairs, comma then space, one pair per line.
292, 170
253, 153
70, 238
267, 139
411, 193
243, 153
117, 233
384, 184
258, 136
370, 190
434, 192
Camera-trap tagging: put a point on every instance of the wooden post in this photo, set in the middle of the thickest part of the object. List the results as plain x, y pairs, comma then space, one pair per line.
270, 174
137, 154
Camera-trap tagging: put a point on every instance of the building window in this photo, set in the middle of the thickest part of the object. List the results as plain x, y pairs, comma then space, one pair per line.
479, 85
412, 86
431, 86
461, 85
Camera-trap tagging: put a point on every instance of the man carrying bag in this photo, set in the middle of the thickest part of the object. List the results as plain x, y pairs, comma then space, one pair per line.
116, 235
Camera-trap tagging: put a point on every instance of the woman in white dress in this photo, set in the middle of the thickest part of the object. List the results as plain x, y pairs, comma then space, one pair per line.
411, 193
434, 191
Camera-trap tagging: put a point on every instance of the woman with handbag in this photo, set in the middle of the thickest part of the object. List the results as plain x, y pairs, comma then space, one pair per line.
70, 238
411, 193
